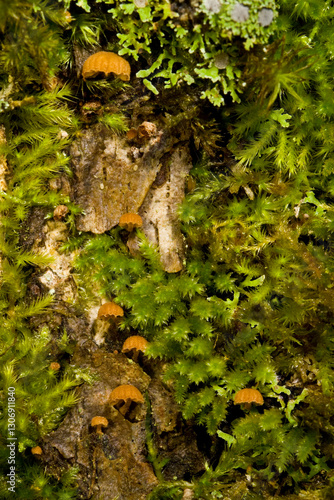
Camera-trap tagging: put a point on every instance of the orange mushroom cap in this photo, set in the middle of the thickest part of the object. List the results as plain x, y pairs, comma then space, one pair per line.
110, 309
107, 63
131, 134
248, 396
54, 366
124, 392
135, 342
129, 221
68, 16
99, 421
37, 450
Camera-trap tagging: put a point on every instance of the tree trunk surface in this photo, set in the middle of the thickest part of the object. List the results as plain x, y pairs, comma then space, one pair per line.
115, 175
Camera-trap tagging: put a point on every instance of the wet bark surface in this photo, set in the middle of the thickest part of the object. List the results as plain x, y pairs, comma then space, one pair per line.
146, 175
114, 464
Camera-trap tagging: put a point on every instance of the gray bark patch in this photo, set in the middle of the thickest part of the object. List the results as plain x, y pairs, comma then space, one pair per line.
114, 176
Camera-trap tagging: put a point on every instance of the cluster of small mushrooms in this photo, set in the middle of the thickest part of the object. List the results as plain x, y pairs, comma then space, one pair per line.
121, 398
124, 395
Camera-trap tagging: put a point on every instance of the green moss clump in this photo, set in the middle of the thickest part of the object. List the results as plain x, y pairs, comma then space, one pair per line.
253, 306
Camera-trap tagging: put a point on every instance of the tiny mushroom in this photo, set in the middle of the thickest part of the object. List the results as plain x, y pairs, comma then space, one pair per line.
99, 422
54, 366
123, 396
37, 450
68, 16
110, 310
107, 63
248, 396
135, 345
131, 134
130, 221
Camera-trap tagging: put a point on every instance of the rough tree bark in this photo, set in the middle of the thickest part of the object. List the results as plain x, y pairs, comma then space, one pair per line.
114, 175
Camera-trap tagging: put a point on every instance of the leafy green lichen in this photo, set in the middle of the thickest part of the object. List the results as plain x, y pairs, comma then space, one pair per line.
204, 33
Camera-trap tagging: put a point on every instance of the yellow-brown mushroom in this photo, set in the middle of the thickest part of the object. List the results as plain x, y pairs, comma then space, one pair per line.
99, 422
134, 345
68, 16
131, 134
54, 366
246, 397
107, 63
130, 221
122, 397
110, 310
37, 450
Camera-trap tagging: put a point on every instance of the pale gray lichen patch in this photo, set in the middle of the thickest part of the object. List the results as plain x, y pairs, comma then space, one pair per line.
140, 3
213, 6
265, 17
240, 13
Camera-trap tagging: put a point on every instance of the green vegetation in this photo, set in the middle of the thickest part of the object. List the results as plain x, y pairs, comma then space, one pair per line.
31, 153
209, 55
34, 154
254, 304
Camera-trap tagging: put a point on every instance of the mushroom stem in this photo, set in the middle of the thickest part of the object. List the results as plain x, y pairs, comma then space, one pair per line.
135, 355
99, 430
125, 408
247, 406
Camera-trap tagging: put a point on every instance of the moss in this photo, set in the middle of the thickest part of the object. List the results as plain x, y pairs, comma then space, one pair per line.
253, 306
